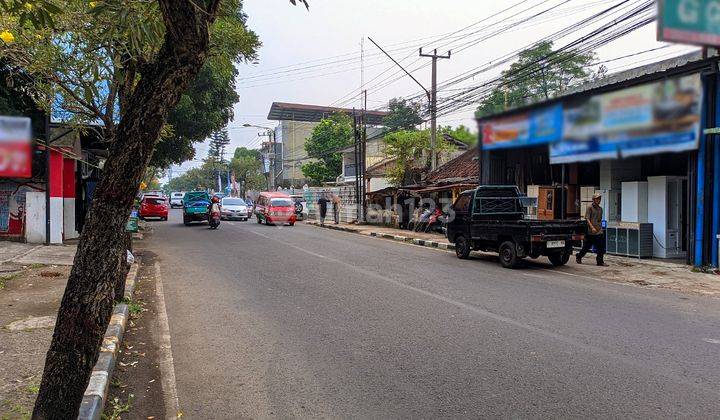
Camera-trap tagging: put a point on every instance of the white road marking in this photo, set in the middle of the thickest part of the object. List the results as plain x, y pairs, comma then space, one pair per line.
711, 340
166, 364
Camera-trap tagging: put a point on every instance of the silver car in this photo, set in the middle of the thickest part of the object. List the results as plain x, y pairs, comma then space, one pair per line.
233, 208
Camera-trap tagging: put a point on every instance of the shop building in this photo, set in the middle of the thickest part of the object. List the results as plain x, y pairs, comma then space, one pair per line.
636, 138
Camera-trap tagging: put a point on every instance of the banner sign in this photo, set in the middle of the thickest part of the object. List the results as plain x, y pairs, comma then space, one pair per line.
652, 118
689, 21
540, 126
15, 147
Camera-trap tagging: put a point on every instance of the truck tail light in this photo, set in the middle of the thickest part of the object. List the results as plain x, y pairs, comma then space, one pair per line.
536, 238
578, 237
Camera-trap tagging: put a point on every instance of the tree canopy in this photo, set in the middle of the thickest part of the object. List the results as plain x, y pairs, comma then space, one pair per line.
539, 74
403, 115
409, 149
218, 141
327, 138
90, 73
460, 133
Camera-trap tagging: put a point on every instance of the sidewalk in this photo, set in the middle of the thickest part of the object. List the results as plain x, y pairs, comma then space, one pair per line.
32, 283
652, 273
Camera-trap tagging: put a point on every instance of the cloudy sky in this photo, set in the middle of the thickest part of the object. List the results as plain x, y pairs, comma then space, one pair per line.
313, 56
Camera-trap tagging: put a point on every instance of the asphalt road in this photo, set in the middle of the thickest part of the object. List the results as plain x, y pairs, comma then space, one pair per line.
308, 322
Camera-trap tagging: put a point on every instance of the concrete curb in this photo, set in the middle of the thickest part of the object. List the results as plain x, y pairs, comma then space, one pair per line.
415, 241
93, 402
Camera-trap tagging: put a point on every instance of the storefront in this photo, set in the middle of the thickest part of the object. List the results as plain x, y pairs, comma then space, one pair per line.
635, 142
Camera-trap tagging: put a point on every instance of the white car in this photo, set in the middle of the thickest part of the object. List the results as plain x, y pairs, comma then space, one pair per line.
233, 208
176, 199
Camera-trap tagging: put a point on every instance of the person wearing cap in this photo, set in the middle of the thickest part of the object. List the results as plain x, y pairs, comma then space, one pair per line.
595, 234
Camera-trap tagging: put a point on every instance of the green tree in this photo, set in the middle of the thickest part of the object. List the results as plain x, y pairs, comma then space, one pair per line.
402, 115
538, 75
245, 152
248, 172
125, 64
327, 138
200, 178
410, 149
218, 141
460, 133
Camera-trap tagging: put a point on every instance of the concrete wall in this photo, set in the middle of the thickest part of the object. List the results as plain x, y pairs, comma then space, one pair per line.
293, 134
35, 217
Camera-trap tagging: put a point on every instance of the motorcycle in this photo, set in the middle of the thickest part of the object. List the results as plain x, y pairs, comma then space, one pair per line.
436, 221
214, 219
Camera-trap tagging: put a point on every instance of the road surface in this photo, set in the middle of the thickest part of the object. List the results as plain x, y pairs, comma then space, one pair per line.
308, 322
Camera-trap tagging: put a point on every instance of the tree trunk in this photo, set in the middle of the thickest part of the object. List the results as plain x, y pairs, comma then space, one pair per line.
88, 300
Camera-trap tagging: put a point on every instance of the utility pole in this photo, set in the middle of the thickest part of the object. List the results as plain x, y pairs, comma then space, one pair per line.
363, 156
431, 95
362, 63
433, 104
356, 144
271, 158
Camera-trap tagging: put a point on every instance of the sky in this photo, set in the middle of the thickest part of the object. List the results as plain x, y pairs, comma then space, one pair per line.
314, 57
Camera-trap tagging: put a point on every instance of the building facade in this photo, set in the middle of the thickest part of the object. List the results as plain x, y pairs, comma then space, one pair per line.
637, 139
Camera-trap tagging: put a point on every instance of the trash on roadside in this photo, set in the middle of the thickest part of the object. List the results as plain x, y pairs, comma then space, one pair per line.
130, 257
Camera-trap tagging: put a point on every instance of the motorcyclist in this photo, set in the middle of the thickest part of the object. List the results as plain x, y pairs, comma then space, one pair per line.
214, 206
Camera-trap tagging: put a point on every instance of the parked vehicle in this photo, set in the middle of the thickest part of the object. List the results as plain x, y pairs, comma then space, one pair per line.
152, 206
491, 218
153, 193
176, 199
275, 207
250, 207
233, 208
301, 209
195, 207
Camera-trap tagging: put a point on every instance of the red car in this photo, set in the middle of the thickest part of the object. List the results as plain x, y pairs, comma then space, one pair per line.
275, 207
153, 206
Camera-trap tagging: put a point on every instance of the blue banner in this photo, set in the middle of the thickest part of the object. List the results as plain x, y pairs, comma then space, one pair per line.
541, 126
652, 118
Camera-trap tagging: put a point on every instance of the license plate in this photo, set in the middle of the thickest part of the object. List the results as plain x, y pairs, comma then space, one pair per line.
555, 244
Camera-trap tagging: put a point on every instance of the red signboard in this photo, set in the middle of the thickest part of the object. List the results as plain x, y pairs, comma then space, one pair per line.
15, 148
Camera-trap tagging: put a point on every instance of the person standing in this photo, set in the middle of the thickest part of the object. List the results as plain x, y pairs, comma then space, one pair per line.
595, 234
336, 208
322, 204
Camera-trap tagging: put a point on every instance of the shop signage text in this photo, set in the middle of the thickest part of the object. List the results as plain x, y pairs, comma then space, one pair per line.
689, 21
15, 147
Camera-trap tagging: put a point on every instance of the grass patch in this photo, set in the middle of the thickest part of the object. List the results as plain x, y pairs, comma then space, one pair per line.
117, 407
6, 278
15, 411
134, 307
37, 265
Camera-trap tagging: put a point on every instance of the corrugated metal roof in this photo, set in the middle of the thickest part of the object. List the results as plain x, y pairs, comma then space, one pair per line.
282, 111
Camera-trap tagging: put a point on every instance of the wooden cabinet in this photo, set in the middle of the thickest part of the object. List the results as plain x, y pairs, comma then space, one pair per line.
549, 202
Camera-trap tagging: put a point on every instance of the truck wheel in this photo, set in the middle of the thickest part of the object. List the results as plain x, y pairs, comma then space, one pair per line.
186, 220
508, 254
559, 258
462, 247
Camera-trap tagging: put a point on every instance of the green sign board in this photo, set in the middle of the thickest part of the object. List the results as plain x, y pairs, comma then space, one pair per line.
689, 21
